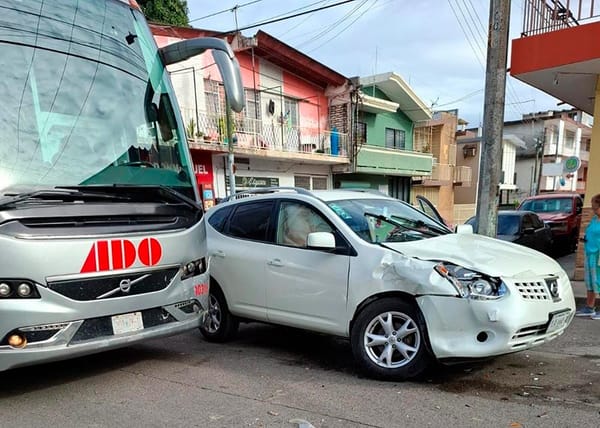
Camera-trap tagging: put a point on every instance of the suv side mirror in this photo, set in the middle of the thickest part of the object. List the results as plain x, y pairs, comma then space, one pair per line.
321, 240
578, 210
528, 231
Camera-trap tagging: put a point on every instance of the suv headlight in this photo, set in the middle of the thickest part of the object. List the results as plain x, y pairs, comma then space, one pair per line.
471, 284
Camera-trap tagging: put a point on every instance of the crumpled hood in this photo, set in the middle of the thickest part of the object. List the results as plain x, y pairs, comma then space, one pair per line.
480, 253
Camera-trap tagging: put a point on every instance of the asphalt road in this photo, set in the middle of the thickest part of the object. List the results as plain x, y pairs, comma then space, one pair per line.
270, 376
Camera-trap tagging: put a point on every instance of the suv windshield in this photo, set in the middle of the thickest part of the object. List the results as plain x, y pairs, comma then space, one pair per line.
86, 99
386, 220
548, 205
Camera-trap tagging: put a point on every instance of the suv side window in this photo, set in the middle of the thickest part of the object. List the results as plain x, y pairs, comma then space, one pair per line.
219, 219
251, 221
296, 221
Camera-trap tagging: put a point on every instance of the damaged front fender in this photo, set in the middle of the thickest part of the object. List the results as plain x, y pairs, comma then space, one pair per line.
410, 275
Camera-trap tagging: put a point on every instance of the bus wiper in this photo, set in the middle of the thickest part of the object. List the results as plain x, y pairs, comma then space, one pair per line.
139, 192
181, 197
58, 195
396, 223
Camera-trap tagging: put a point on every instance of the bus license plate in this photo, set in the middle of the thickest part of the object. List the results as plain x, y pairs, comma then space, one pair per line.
558, 321
127, 323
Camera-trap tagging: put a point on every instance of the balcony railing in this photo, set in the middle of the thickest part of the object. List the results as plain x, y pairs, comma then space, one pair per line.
445, 174
543, 16
257, 134
463, 175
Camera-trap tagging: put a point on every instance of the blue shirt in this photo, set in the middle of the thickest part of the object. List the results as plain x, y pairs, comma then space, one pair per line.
592, 236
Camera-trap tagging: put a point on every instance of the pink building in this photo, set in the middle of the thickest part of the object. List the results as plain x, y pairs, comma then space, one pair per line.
294, 130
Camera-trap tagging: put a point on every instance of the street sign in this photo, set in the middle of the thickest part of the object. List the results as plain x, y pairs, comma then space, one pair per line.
571, 164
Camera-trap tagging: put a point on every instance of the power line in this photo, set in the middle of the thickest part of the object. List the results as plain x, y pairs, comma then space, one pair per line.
289, 30
333, 25
271, 21
343, 29
224, 10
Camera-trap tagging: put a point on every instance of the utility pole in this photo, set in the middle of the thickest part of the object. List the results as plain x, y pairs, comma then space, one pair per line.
493, 118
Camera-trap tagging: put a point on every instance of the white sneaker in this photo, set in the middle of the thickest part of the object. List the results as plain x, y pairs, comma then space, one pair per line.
596, 316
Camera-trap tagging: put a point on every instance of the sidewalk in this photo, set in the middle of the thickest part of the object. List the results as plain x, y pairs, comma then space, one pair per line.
568, 264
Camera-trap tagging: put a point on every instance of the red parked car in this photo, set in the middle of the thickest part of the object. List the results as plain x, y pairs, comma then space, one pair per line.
560, 211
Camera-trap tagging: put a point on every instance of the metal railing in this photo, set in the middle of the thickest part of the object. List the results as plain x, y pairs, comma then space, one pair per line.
447, 174
543, 16
258, 134
463, 174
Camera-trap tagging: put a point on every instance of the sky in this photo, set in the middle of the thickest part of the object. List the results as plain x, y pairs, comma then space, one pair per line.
437, 46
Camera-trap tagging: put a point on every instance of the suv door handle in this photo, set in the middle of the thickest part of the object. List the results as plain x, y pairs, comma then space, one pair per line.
219, 253
275, 262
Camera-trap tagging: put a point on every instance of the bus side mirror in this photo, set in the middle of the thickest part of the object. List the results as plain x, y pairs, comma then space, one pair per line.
224, 58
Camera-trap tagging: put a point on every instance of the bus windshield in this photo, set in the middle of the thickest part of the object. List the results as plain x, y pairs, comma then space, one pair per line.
86, 99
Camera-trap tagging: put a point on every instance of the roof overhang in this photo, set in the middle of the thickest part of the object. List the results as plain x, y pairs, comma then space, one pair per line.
514, 140
397, 90
377, 105
269, 48
563, 63
288, 58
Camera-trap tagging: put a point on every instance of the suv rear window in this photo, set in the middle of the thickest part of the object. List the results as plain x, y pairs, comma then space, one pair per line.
251, 221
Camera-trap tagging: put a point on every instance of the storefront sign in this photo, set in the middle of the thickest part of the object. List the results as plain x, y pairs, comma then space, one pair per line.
251, 182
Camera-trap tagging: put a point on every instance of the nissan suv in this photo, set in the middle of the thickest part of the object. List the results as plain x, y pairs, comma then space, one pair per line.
402, 287
560, 211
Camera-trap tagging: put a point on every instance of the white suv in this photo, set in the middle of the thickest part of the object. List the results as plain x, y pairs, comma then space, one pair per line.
402, 287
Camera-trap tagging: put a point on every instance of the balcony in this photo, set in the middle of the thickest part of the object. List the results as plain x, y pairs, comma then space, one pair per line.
556, 54
463, 175
258, 138
445, 174
542, 16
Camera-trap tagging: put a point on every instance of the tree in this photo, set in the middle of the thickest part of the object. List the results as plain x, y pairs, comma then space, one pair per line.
171, 12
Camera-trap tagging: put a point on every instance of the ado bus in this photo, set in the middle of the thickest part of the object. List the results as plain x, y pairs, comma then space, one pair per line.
102, 242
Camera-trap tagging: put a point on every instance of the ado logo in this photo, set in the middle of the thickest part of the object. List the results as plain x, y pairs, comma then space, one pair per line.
121, 254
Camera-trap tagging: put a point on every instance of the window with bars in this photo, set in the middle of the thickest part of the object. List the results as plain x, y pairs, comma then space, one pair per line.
215, 96
290, 113
309, 182
394, 138
252, 104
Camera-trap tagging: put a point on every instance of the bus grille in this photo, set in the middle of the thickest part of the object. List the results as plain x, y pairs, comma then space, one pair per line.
107, 287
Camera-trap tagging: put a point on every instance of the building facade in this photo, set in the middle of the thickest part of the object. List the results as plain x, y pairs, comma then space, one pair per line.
550, 139
438, 137
384, 155
291, 132
469, 147
555, 55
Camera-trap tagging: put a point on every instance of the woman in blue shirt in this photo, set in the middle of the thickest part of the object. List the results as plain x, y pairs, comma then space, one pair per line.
592, 262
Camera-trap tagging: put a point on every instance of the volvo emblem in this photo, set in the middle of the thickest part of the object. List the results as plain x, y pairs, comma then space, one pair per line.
125, 285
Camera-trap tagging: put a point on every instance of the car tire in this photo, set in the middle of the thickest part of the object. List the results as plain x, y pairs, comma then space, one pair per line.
220, 325
389, 340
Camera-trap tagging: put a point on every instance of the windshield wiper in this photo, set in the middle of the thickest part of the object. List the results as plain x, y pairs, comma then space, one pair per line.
59, 195
396, 223
139, 192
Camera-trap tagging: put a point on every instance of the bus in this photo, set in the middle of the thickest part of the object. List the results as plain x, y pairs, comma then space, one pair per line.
102, 239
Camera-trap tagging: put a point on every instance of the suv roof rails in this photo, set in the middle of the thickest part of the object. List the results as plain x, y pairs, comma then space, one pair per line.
267, 190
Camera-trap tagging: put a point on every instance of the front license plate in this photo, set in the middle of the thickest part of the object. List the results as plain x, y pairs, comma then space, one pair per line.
558, 321
127, 323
